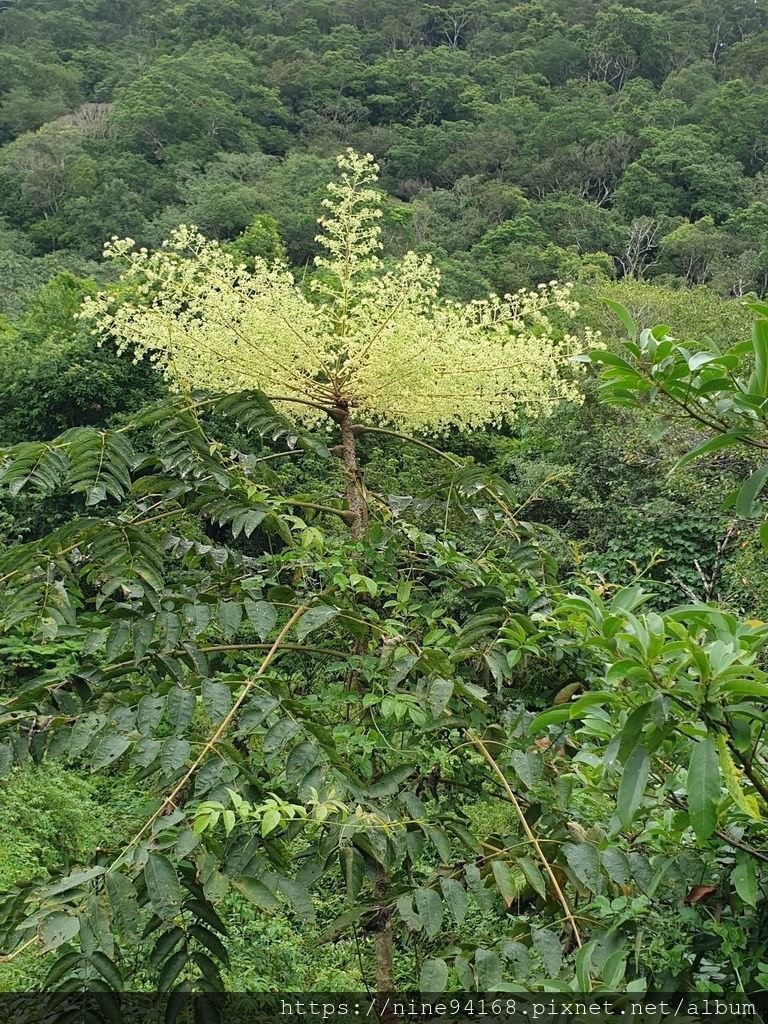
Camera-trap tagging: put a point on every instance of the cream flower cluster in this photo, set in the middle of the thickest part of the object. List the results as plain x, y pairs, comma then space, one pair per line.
379, 340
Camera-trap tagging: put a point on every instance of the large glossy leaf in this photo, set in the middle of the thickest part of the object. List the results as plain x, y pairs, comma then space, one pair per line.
633, 782
704, 787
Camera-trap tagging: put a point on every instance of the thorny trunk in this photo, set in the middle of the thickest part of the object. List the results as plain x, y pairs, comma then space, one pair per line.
358, 506
355, 491
383, 940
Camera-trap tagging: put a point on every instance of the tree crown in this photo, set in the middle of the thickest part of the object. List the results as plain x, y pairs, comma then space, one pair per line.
366, 336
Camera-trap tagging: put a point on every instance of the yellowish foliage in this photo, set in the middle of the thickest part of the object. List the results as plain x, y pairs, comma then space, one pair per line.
374, 339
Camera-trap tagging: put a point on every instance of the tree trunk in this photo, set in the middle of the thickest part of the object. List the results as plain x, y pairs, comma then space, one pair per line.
383, 940
358, 506
355, 491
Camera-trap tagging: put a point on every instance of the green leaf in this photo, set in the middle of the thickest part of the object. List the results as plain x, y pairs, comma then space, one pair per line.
109, 750
298, 897
256, 892
229, 614
262, 616
173, 756
549, 717
353, 871
211, 941
616, 865
623, 315
149, 711
107, 970
489, 970
300, 761
440, 841
455, 896
204, 910
533, 876
547, 945
634, 779
277, 737
712, 444
585, 864
313, 618
165, 945
405, 909
750, 491
758, 381
505, 881
430, 908
171, 970
71, 882
217, 700
124, 905
704, 787
439, 694
57, 929
116, 638
434, 975
180, 708
744, 879
61, 967
163, 886
391, 781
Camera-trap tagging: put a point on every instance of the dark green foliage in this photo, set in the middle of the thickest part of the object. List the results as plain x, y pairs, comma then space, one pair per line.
562, 126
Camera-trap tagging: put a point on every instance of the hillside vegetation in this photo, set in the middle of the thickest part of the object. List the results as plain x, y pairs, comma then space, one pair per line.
383, 403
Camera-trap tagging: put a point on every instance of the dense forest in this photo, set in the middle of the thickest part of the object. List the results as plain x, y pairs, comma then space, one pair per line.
383, 417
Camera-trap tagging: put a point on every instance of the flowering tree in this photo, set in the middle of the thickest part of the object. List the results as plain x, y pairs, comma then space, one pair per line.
367, 345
